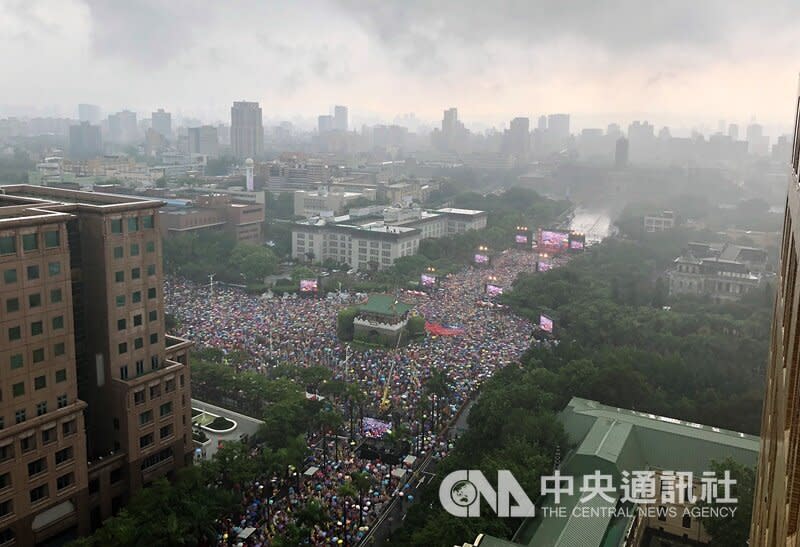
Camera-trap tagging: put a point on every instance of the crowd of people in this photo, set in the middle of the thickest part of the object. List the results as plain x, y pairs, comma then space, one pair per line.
302, 331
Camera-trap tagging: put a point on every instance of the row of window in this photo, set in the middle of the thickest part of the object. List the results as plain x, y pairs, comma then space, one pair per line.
146, 417
35, 300
32, 272
134, 249
39, 382
29, 242
122, 323
36, 328
155, 391
134, 224
136, 273
41, 408
138, 343
17, 360
29, 443
163, 433
136, 297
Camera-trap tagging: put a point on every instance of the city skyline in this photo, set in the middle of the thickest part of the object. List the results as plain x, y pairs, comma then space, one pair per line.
686, 66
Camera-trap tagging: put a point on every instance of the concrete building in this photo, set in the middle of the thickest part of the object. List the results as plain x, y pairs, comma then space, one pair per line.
122, 127
776, 506
85, 141
89, 113
558, 128
326, 202
97, 402
463, 220
247, 130
244, 221
722, 271
203, 140
325, 123
381, 320
518, 138
162, 123
621, 153
340, 121
659, 222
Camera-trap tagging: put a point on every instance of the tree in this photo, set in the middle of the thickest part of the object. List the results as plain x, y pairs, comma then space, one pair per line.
344, 323
732, 530
254, 262
416, 326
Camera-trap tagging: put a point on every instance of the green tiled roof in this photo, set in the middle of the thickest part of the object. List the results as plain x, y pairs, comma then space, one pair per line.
384, 304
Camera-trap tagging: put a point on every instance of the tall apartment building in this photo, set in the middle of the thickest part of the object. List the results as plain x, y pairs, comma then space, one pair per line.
162, 123
340, 118
94, 397
776, 507
203, 140
85, 141
247, 130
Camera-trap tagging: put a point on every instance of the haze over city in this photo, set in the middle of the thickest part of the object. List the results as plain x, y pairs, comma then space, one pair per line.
684, 64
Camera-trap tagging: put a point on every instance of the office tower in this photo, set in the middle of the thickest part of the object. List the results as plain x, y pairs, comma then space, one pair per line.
541, 123
203, 140
733, 132
247, 130
122, 127
776, 506
324, 123
340, 118
162, 123
89, 113
96, 399
613, 131
641, 142
757, 142
621, 153
558, 127
518, 138
84, 141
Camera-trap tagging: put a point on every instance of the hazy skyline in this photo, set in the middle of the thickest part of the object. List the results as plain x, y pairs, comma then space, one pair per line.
679, 63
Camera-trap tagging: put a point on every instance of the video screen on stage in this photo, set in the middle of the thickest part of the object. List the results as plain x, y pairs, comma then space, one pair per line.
481, 259
544, 266
521, 238
493, 290
545, 323
576, 244
308, 285
375, 429
555, 239
427, 280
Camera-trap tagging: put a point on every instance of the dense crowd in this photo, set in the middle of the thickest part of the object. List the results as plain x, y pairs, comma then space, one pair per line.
302, 331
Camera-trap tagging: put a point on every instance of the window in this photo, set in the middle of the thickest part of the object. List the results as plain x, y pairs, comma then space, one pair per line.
54, 268
123, 372
165, 431
6, 452
147, 221
30, 242
120, 300
155, 391
119, 276
136, 297
122, 348
16, 361
59, 349
62, 401
6, 536
12, 305
52, 239
151, 293
65, 481
18, 389
40, 382
41, 408
169, 386
116, 475
138, 343
138, 397
69, 428
139, 367
10, 276
64, 455
151, 270
35, 300
37, 466
19, 416
39, 493
154, 338
26, 444
94, 486
137, 320
150, 246
118, 252
136, 273
61, 375
58, 322
154, 362
38, 355
687, 521
133, 224
49, 436
146, 417
146, 440
37, 328
14, 333
116, 226
33, 272
152, 315
8, 245
55, 296
121, 324
5, 480
134, 249
166, 409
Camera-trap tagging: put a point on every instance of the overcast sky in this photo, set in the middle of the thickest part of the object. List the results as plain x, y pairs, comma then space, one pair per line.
677, 62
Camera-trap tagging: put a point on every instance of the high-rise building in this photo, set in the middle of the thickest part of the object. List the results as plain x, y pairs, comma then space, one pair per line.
558, 127
96, 396
733, 132
340, 118
324, 123
162, 122
89, 113
621, 153
518, 138
776, 506
84, 141
122, 127
203, 140
247, 130
757, 142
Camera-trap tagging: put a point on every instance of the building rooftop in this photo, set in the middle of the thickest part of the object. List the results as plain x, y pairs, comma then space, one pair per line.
454, 211
384, 304
49, 197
